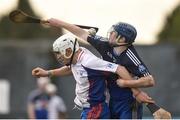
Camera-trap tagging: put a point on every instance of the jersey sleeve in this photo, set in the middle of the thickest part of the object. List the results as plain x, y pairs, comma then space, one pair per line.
96, 63
98, 42
135, 64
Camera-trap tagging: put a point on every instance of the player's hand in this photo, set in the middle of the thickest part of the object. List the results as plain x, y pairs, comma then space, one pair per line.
39, 72
45, 23
143, 97
121, 82
54, 22
92, 31
162, 114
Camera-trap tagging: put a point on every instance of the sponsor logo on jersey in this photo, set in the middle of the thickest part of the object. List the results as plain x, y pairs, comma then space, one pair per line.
110, 65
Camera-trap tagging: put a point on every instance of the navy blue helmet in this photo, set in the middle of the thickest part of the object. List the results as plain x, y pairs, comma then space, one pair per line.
125, 30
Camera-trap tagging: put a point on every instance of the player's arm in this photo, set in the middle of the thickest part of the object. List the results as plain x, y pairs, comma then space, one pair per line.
158, 113
138, 94
79, 32
118, 69
127, 81
150, 80
98, 64
63, 71
147, 81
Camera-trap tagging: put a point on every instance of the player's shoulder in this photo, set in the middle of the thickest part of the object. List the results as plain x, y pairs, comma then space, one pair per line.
99, 40
132, 53
131, 48
88, 58
86, 54
34, 93
56, 98
103, 39
97, 37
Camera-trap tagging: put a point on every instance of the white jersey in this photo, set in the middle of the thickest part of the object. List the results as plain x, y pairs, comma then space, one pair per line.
90, 75
55, 106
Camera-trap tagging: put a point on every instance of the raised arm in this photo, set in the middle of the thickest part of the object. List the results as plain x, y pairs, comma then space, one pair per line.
63, 71
79, 32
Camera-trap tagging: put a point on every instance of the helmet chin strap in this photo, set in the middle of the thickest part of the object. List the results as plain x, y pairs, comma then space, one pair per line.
125, 44
72, 56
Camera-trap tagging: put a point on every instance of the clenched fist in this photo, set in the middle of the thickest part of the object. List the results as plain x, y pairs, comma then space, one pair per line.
39, 72
162, 114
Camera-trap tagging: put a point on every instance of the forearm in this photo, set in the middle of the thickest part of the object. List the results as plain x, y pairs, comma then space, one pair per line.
147, 81
135, 91
63, 71
129, 83
141, 82
123, 73
79, 32
126, 79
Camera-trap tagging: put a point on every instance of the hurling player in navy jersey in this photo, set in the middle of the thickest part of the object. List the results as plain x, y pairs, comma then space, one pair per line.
118, 48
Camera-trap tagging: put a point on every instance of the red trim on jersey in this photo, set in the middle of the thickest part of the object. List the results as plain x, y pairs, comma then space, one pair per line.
95, 112
80, 55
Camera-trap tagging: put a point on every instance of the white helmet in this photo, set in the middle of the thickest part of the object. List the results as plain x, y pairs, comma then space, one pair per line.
64, 42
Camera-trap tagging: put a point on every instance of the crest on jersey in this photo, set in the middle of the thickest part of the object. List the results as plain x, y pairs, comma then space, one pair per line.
82, 73
142, 69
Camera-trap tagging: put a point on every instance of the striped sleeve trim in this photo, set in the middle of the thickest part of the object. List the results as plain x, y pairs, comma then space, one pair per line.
135, 60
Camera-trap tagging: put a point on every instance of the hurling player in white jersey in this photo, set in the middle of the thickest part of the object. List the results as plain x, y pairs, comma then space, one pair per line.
90, 73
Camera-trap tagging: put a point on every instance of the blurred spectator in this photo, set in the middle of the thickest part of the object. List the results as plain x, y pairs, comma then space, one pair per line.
56, 106
38, 100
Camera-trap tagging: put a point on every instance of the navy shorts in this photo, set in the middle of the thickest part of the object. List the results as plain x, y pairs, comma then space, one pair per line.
126, 109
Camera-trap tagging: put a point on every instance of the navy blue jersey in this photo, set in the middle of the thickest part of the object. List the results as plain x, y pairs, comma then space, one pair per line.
40, 101
128, 58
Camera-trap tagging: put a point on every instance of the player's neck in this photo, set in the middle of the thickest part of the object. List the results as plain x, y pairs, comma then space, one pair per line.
75, 58
120, 49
